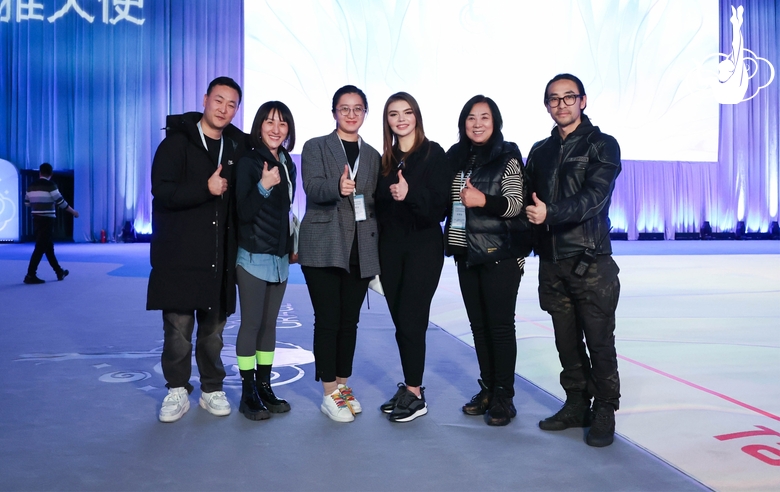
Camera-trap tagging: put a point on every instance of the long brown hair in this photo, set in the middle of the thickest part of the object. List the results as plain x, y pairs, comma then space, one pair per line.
389, 162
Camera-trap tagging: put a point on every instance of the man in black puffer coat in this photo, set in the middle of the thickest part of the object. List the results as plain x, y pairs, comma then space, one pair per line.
193, 248
572, 174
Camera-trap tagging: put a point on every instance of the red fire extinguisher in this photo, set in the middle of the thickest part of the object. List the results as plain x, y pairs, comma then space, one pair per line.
102, 235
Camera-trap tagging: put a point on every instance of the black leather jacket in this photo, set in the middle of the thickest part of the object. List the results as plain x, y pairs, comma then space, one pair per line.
574, 178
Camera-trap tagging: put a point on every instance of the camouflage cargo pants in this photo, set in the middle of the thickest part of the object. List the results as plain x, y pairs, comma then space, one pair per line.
583, 315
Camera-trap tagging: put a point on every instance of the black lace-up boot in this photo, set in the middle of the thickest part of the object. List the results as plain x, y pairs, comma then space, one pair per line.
266, 392
602, 430
251, 405
574, 413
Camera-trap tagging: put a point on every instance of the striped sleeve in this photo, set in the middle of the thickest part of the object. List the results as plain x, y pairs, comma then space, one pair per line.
512, 188
58, 199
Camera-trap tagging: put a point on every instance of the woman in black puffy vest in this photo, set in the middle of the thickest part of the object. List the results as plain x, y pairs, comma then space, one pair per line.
486, 233
265, 190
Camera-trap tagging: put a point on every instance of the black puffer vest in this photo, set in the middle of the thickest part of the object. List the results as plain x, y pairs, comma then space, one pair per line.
264, 222
491, 238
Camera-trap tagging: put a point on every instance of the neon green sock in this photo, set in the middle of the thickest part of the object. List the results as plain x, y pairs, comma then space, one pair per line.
245, 363
264, 358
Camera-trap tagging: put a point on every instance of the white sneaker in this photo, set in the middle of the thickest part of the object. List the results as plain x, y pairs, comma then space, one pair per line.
334, 406
349, 397
175, 404
215, 403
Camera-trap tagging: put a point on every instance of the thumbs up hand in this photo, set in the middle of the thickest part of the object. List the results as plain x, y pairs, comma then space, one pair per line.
399, 191
270, 177
537, 212
346, 184
217, 184
471, 197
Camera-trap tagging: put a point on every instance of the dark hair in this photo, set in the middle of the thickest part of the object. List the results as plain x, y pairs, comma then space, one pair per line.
263, 112
389, 162
348, 89
498, 121
45, 170
564, 76
226, 81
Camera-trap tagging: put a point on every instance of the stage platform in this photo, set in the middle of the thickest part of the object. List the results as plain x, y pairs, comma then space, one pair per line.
698, 337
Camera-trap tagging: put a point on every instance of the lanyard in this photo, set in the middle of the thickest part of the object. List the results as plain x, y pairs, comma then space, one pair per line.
203, 139
283, 162
463, 178
353, 170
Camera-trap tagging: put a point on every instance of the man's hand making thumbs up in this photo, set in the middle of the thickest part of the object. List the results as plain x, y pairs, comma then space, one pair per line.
399, 190
217, 184
537, 212
346, 184
471, 197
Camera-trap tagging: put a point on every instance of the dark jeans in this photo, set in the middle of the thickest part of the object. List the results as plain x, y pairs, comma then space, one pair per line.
584, 307
336, 296
411, 268
490, 293
43, 227
177, 348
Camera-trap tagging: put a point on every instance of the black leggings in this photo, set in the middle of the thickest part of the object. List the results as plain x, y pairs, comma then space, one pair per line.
411, 268
260, 303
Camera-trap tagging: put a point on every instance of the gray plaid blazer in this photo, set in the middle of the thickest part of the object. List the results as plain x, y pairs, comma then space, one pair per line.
328, 226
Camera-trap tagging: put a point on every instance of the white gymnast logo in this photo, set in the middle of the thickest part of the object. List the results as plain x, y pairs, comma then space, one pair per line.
737, 68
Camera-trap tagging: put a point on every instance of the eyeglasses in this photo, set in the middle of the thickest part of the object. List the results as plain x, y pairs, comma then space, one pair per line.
345, 110
568, 100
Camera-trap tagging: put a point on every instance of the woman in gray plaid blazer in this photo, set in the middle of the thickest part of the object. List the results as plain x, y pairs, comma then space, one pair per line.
338, 249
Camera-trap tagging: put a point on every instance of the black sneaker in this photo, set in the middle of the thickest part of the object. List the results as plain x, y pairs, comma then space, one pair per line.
389, 405
408, 407
501, 409
479, 403
33, 279
574, 413
62, 274
602, 431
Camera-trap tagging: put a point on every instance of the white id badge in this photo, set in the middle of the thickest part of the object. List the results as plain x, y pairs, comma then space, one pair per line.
458, 216
360, 208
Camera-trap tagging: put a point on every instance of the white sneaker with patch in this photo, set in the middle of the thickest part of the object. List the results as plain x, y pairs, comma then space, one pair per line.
175, 404
215, 403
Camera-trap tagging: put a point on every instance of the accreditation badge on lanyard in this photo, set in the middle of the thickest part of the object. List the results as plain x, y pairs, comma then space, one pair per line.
459, 210
359, 200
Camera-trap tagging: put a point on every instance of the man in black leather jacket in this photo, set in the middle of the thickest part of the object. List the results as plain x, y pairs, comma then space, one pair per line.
572, 174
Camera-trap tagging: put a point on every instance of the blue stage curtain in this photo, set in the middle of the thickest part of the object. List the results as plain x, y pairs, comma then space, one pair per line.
93, 97
663, 196
749, 152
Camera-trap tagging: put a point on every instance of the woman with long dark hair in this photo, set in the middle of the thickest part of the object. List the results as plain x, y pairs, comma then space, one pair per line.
486, 234
338, 244
411, 201
265, 189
